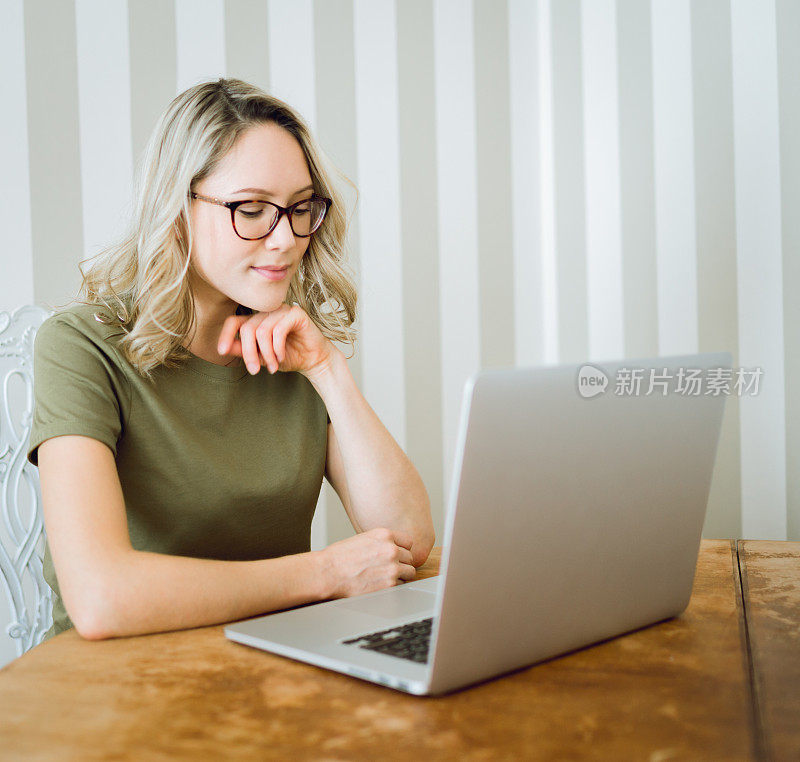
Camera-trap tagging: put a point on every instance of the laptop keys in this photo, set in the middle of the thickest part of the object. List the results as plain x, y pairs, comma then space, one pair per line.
408, 641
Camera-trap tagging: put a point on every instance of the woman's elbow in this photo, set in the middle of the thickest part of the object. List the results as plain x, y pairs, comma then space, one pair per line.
92, 619
91, 627
421, 548
91, 633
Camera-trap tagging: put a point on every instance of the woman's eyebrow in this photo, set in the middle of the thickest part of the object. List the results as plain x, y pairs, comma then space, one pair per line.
270, 193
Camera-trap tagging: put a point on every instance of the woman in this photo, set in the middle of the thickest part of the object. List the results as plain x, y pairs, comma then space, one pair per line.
179, 477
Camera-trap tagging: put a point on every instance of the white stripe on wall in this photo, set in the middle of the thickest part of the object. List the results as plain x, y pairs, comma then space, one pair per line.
375, 39
758, 232
291, 55
673, 144
16, 285
523, 32
200, 43
104, 107
601, 146
458, 233
547, 190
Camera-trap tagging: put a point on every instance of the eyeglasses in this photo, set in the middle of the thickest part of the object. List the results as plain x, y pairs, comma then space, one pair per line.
253, 220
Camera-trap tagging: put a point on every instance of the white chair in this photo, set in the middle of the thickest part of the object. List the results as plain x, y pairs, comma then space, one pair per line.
22, 536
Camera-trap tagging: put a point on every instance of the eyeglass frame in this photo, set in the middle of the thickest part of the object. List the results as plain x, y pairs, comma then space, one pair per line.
287, 210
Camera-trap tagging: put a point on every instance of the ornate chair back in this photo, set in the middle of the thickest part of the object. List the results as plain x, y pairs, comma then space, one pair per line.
22, 535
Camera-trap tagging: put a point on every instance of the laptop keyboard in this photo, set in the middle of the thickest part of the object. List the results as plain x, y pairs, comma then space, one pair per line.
407, 641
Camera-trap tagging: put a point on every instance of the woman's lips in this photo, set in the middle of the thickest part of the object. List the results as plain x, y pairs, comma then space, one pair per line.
272, 274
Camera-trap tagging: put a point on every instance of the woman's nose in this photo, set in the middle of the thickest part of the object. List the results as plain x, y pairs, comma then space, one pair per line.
282, 235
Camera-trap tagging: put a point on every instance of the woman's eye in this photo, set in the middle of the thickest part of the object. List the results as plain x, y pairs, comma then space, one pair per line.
251, 210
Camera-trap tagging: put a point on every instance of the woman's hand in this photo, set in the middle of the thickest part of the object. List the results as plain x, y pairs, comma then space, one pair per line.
285, 339
367, 562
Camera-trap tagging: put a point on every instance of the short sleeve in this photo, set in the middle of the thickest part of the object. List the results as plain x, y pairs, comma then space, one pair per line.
73, 388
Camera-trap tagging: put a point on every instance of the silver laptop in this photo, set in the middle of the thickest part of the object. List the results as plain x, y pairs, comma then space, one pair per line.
576, 507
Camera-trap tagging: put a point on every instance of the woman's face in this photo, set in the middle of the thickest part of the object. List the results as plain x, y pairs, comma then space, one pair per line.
266, 163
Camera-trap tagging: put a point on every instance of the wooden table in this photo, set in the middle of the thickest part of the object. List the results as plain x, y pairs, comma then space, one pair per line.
689, 688
770, 579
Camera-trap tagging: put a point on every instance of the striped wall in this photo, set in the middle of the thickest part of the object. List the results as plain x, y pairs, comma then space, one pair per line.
541, 181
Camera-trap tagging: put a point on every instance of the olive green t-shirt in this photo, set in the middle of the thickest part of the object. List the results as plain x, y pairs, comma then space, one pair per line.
214, 462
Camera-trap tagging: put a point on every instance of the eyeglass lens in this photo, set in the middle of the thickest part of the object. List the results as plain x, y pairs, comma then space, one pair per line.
255, 218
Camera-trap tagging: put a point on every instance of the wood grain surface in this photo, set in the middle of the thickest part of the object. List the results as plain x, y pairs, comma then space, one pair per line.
676, 690
771, 584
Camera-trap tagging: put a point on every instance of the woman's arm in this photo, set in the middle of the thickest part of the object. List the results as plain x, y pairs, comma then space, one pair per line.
111, 590
377, 483
152, 592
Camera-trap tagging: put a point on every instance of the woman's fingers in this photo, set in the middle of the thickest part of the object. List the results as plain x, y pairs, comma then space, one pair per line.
402, 539
407, 572
228, 333
288, 321
264, 338
247, 335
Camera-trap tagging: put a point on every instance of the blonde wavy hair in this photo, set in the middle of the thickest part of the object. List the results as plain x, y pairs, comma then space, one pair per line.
142, 279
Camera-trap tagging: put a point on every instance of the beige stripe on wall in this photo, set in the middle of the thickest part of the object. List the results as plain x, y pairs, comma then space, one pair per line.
246, 41
419, 226
568, 167
336, 107
637, 184
54, 152
16, 257
493, 132
151, 25
716, 240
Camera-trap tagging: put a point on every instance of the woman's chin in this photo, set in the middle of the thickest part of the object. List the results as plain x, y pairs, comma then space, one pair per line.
263, 305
